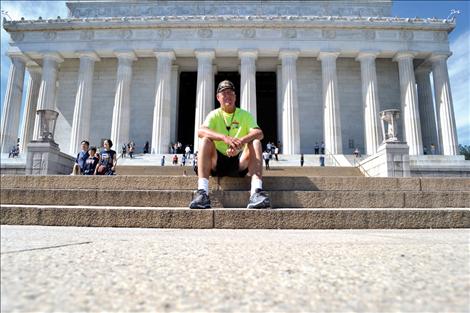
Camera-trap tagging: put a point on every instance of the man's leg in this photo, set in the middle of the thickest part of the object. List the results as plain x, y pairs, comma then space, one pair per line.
207, 160
252, 158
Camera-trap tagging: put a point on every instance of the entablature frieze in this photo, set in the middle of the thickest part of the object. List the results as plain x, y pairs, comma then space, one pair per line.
227, 21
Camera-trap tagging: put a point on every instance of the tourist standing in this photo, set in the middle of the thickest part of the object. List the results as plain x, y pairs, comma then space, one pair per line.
266, 158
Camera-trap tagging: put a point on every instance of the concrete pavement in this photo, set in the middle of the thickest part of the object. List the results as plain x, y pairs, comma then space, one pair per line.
118, 269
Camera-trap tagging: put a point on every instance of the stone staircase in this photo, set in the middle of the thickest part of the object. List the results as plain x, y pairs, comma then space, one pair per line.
177, 170
300, 202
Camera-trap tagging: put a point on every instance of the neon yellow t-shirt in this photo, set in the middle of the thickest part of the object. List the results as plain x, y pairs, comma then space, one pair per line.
240, 123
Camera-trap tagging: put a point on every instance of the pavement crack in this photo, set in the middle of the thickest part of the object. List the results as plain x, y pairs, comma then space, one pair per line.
46, 248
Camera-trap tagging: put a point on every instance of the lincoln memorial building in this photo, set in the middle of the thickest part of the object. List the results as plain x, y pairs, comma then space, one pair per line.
309, 71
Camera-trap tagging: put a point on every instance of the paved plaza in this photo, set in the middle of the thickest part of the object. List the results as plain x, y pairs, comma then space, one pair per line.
65, 269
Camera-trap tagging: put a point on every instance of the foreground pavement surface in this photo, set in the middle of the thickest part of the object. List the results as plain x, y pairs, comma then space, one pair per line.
120, 269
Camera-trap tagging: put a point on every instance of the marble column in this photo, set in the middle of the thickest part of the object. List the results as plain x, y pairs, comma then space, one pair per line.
279, 103
426, 107
29, 113
290, 105
162, 111
175, 81
409, 102
48, 89
248, 80
82, 111
121, 113
448, 143
370, 100
331, 108
205, 89
12, 102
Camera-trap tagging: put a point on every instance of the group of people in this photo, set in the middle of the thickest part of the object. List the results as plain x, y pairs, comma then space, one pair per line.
184, 159
14, 152
90, 161
177, 148
319, 148
128, 148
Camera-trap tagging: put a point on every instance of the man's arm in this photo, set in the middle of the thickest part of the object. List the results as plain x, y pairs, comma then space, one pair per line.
255, 133
205, 132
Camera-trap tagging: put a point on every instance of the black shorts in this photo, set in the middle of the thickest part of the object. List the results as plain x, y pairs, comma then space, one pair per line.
227, 166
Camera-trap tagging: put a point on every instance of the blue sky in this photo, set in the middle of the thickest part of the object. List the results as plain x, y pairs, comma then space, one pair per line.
458, 63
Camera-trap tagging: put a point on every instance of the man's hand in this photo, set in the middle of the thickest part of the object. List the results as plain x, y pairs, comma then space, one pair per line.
234, 143
232, 152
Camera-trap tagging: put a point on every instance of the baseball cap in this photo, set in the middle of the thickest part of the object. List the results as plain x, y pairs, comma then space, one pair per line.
225, 84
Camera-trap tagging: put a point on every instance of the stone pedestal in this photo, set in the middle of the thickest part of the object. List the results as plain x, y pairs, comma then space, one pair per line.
391, 160
45, 158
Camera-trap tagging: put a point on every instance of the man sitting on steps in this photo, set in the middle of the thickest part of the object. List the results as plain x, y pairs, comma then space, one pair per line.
230, 145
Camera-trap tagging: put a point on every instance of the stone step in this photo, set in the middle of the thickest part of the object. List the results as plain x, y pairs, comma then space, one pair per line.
237, 199
274, 171
290, 183
315, 218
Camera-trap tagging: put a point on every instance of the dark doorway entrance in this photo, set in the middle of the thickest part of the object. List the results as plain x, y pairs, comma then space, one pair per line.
234, 77
266, 105
187, 107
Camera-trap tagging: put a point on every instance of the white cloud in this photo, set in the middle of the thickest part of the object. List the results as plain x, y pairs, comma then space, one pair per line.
459, 73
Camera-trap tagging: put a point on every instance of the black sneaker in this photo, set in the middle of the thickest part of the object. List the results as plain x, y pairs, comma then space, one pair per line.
201, 200
259, 200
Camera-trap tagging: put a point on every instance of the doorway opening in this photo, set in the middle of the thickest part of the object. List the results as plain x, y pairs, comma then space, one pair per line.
187, 107
266, 105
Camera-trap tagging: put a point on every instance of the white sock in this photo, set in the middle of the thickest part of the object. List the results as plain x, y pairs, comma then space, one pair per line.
256, 184
203, 183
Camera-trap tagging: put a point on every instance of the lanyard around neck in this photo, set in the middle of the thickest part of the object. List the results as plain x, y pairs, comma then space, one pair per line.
229, 126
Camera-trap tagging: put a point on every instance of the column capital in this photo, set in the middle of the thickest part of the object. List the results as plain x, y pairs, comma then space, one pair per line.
125, 55
88, 55
18, 55
170, 54
54, 56
367, 54
204, 53
424, 68
32, 67
439, 55
404, 55
328, 54
248, 53
285, 53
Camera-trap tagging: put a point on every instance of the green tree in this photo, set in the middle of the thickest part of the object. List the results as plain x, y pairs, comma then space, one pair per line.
465, 150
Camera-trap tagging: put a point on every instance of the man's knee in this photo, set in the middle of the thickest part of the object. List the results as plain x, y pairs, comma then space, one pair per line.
206, 142
256, 145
